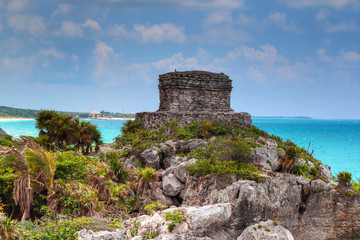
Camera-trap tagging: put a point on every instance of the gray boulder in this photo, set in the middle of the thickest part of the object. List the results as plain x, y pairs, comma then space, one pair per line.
267, 231
151, 158
182, 173
173, 161
325, 171
171, 185
266, 158
103, 235
208, 217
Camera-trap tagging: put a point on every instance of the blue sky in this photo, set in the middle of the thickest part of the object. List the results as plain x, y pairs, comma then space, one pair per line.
285, 57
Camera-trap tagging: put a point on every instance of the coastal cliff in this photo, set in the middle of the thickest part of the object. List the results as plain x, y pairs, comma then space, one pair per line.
290, 191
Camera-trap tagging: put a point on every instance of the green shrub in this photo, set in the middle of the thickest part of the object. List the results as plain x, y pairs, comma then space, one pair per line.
267, 229
72, 166
224, 157
76, 198
356, 185
276, 223
344, 179
8, 229
314, 171
155, 206
175, 217
7, 179
115, 164
150, 235
4, 141
301, 169
55, 229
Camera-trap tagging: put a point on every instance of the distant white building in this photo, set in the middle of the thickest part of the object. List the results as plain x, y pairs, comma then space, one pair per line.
95, 114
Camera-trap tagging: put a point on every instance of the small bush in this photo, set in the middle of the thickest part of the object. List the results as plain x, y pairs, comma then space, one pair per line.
4, 141
70, 166
301, 169
259, 226
276, 223
267, 229
344, 179
176, 216
314, 171
56, 229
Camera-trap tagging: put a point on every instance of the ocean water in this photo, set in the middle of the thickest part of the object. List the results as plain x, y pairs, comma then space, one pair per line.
335, 142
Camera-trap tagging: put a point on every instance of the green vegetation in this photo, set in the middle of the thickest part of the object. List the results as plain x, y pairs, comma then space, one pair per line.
175, 217
224, 157
58, 130
344, 179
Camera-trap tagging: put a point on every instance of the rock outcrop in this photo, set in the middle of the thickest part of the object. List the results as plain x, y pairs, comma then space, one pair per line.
229, 209
3, 133
268, 230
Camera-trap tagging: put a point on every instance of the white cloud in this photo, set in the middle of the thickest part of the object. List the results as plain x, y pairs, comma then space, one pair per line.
256, 75
51, 52
91, 24
63, 8
341, 27
187, 4
19, 63
177, 61
16, 6
322, 14
32, 23
337, 4
70, 29
217, 18
117, 31
267, 55
105, 64
280, 19
75, 57
345, 59
160, 33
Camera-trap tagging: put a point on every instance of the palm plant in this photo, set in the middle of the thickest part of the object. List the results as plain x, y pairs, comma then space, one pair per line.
8, 228
41, 166
146, 180
36, 169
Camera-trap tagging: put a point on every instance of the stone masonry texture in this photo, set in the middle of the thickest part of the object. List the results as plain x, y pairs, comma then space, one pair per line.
194, 96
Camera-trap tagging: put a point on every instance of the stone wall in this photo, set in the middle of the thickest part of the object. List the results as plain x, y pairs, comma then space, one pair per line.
151, 119
195, 91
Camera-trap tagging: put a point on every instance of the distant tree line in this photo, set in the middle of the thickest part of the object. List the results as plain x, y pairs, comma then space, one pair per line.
31, 113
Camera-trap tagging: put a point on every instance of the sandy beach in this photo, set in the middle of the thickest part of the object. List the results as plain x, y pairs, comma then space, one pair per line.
22, 119
16, 119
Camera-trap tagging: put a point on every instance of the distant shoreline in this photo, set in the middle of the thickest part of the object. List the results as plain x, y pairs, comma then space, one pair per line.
21, 119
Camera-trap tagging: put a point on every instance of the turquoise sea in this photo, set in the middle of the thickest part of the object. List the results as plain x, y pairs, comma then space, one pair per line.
335, 142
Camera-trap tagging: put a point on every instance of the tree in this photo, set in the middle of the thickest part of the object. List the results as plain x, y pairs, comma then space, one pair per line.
58, 130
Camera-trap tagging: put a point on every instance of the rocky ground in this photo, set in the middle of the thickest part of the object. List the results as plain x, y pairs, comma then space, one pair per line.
280, 205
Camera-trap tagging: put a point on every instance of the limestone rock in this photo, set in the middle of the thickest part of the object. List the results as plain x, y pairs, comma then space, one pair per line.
182, 173
103, 235
192, 144
268, 231
171, 185
151, 158
325, 172
174, 160
266, 158
271, 143
208, 217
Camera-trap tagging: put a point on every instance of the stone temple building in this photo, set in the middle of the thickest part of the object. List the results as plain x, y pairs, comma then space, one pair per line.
194, 96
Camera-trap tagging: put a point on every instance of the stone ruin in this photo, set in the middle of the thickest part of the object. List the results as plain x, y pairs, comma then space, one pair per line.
194, 96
